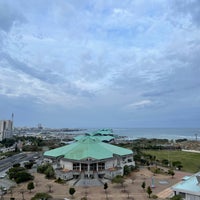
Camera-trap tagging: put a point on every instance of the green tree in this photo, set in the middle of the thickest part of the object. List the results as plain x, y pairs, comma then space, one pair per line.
137, 157
12, 172
30, 186
8, 142
72, 191
49, 172
23, 176
165, 162
42, 168
127, 170
19, 174
149, 191
171, 172
46, 169
143, 185
177, 164
28, 165
105, 187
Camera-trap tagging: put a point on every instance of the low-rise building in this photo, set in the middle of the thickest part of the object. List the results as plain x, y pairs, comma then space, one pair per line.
189, 187
89, 157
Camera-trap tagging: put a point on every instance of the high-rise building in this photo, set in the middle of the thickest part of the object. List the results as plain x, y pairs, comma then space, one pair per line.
6, 127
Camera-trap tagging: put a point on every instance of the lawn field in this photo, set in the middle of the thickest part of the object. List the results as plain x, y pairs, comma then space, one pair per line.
190, 161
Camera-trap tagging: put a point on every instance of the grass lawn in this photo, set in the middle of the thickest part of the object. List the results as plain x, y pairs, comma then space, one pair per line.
190, 161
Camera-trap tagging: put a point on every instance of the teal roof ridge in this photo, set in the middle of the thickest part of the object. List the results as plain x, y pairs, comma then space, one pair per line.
89, 139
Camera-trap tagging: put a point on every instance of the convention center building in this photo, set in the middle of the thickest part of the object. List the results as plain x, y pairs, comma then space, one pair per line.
89, 157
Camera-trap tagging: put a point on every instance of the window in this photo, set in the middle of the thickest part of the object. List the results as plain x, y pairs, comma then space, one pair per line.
76, 166
101, 166
93, 167
84, 167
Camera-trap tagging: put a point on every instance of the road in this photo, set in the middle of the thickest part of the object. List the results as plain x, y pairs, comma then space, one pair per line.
7, 163
18, 158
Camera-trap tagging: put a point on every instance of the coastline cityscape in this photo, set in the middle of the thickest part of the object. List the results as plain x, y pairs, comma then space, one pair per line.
93, 173
99, 100
127, 133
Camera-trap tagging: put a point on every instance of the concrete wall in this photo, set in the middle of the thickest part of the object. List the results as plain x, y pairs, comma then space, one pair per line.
110, 163
188, 196
64, 176
192, 197
66, 164
112, 174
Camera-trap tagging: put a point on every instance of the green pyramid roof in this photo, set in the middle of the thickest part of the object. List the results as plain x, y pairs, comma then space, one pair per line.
102, 135
88, 147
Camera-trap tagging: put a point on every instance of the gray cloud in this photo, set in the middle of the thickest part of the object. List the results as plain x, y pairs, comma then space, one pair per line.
188, 8
9, 16
46, 76
134, 60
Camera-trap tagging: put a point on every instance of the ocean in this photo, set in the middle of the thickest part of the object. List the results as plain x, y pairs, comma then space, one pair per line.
160, 133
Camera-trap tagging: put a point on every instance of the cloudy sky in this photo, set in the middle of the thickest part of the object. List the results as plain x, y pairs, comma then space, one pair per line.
100, 63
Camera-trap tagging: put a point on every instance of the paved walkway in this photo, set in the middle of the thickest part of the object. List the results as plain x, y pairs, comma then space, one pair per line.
165, 193
89, 182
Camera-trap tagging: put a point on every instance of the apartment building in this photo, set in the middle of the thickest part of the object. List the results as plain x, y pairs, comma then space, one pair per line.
6, 127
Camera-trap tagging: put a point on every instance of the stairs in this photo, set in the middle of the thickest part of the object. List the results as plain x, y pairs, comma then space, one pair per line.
82, 181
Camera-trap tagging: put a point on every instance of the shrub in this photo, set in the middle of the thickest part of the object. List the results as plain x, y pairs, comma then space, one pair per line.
39, 196
59, 180
154, 196
30, 186
72, 191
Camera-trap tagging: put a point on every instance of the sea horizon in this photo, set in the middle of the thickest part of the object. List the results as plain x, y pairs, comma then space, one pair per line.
160, 133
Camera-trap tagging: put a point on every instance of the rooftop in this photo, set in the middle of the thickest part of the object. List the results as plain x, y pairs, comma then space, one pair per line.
102, 135
88, 147
189, 185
